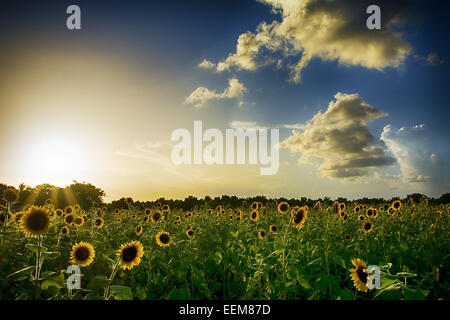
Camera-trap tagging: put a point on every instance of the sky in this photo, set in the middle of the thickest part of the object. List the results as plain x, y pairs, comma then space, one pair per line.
360, 112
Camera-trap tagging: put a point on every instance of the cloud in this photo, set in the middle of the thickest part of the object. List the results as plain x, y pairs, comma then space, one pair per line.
417, 163
329, 30
432, 59
206, 64
341, 138
201, 96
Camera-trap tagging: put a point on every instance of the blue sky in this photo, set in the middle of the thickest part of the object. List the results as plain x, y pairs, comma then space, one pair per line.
159, 45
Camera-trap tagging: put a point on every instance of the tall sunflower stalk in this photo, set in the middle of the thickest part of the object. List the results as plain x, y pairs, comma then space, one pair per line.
37, 270
115, 268
5, 223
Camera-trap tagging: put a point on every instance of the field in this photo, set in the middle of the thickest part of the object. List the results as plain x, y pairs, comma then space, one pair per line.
256, 250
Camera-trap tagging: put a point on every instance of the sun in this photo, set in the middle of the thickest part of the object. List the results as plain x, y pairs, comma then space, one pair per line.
53, 160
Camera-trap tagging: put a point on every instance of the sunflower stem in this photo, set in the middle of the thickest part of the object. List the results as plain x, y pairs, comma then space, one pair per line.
111, 277
37, 269
5, 223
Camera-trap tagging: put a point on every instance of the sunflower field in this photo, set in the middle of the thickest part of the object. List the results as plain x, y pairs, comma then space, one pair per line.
273, 250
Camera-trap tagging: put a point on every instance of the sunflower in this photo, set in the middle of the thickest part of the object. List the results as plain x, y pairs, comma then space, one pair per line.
130, 254
207, 198
342, 206
52, 215
78, 221
65, 230
361, 217
368, 227
273, 229
397, 205
261, 234
99, 223
165, 208
139, 230
231, 217
375, 213
359, 275
59, 212
344, 217
163, 239
35, 221
356, 209
390, 211
82, 254
347, 237
76, 207
190, 233
254, 205
254, 216
10, 194
156, 216
299, 218
146, 218
283, 207
147, 212
68, 210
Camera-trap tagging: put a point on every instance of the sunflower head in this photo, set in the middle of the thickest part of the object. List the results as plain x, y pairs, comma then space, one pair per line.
99, 222
68, 210
397, 205
261, 234
156, 216
190, 233
359, 274
78, 221
361, 217
254, 215
65, 230
59, 212
35, 221
130, 255
139, 230
82, 254
367, 227
299, 218
273, 229
10, 194
163, 239
283, 207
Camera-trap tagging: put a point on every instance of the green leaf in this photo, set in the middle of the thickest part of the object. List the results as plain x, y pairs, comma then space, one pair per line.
178, 294
387, 281
414, 294
345, 294
22, 274
57, 282
218, 257
98, 283
394, 286
121, 293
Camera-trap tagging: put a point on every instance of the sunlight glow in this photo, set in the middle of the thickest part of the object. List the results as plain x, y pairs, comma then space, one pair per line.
55, 161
